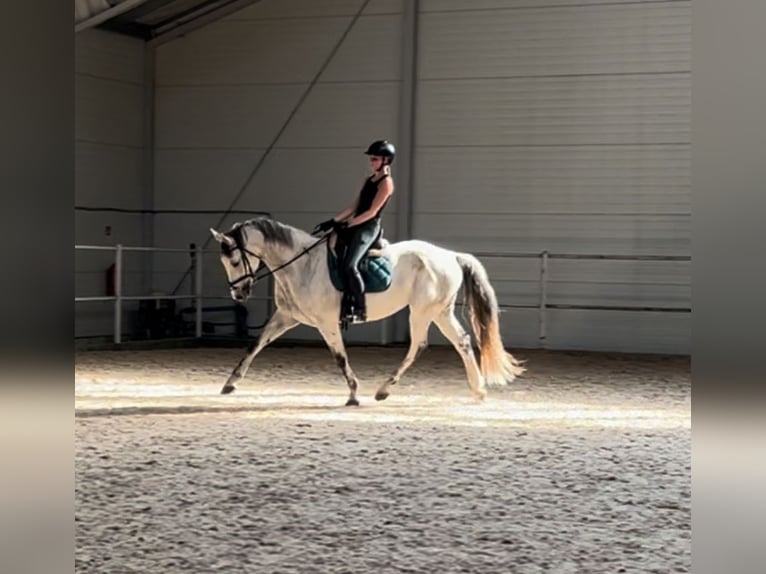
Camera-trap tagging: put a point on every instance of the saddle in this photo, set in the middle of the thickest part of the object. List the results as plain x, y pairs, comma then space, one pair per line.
374, 267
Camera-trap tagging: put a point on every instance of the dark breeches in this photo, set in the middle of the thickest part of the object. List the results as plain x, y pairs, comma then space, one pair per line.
358, 241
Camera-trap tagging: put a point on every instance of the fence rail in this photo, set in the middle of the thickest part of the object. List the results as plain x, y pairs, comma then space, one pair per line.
198, 296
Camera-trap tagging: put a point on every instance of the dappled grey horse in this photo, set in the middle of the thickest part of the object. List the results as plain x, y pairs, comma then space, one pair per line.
424, 277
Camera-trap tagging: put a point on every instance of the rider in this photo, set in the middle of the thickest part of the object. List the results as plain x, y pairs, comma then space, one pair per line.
360, 222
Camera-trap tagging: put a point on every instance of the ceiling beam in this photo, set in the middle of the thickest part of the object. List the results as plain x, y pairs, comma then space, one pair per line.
107, 14
196, 20
187, 15
127, 28
144, 10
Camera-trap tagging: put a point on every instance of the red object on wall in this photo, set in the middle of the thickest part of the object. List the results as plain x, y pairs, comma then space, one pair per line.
110, 291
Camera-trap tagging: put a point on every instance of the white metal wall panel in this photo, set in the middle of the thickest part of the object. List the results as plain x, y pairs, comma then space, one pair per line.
109, 167
224, 92
249, 116
596, 110
282, 52
108, 112
562, 126
548, 41
616, 283
249, 52
574, 234
109, 56
108, 174
620, 331
624, 179
213, 176
220, 117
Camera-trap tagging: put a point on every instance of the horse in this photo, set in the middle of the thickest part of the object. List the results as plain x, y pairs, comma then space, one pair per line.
424, 276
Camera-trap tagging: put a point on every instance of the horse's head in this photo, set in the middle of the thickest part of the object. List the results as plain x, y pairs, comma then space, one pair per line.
239, 263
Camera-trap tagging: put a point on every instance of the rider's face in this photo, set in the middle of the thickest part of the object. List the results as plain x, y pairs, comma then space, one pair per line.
376, 162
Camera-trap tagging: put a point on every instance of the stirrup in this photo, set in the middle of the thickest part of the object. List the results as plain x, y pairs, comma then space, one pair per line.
350, 316
356, 318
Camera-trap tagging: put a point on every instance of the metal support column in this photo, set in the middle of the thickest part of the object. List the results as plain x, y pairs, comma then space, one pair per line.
396, 328
147, 194
542, 318
118, 294
198, 292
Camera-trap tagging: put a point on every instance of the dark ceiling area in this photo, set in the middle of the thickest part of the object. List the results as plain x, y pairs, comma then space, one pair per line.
151, 19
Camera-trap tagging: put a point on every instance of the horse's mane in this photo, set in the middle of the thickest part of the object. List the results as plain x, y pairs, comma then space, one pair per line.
272, 231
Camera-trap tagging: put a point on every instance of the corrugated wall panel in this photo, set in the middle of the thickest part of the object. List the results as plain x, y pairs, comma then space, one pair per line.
585, 235
619, 283
250, 116
108, 175
225, 91
582, 110
221, 117
249, 52
283, 51
109, 167
645, 332
583, 39
108, 112
213, 176
562, 126
108, 56
581, 179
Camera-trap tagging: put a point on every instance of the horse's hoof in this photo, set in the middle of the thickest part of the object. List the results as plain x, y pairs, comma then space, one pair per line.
352, 403
381, 396
227, 389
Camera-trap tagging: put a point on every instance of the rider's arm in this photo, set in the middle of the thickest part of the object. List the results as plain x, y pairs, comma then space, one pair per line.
349, 211
385, 189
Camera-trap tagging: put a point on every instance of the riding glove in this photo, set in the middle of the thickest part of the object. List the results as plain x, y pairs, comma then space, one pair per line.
324, 226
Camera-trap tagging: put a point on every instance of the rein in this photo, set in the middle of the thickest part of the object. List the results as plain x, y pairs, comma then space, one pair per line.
250, 274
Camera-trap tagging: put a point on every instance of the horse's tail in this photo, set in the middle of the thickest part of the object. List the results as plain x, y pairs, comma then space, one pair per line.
497, 365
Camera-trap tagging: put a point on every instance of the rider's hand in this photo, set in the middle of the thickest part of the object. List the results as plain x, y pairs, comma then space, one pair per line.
324, 226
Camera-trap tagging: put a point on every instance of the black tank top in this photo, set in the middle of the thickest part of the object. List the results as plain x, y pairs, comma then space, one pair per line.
367, 196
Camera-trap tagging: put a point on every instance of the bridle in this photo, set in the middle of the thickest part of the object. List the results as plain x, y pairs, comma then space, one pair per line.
250, 273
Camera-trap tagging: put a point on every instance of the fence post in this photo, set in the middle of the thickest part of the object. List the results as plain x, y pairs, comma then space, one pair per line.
118, 294
198, 289
542, 318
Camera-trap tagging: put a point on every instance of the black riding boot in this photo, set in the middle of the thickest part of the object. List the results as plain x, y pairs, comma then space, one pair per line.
356, 294
360, 308
346, 307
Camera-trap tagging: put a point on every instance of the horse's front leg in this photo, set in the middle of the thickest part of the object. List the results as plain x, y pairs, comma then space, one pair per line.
332, 336
279, 323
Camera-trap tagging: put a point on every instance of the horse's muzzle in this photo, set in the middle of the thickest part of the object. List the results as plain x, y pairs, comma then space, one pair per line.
242, 293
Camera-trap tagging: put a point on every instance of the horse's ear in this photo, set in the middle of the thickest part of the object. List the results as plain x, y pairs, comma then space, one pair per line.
221, 238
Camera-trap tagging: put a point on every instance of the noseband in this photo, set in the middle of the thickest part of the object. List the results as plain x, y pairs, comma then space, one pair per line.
249, 271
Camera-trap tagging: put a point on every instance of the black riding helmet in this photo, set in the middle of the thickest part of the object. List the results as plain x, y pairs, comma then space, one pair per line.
382, 148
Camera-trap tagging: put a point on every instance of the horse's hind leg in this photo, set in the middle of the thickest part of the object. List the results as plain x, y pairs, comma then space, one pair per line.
419, 324
334, 340
275, 328
452, 329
